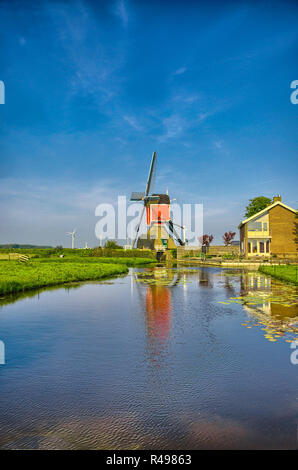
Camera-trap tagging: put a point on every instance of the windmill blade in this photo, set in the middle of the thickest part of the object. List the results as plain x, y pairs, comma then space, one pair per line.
149, 180
173, 231
137, 196
138, 226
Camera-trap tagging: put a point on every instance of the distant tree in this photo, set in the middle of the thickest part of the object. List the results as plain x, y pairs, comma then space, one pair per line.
205, 240
112, 245
228, 237
59, 247
256, 205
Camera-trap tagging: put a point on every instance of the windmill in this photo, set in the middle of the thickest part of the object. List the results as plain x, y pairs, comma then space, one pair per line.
72, 237
161, 233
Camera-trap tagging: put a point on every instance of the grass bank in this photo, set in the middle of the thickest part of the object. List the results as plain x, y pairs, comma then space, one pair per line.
131, 262
18, 277
287, 273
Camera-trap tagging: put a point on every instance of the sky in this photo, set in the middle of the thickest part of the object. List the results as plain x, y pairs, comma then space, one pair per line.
93, 88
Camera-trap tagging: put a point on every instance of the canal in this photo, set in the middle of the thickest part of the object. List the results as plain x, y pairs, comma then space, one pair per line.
163, 358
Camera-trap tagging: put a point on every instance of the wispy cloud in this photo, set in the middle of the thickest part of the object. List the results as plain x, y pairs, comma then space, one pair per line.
93, 63
133, 122
218, 144
173, 127
180, 71
185, 97
121, 11
22, 41
203, 116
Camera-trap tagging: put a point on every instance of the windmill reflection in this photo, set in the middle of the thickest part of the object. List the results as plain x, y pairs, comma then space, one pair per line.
158, 319
158, 307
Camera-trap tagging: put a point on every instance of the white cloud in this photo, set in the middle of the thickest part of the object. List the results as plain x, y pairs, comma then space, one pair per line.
180, 71
41, 212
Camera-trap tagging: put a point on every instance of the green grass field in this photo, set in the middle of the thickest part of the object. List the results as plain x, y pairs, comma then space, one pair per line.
17, 277
284, 273
50, 269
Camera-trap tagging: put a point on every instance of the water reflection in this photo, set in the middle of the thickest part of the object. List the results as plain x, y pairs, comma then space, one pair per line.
269, 303
205, 279
158, 319
157, 304
151, 361
157, 307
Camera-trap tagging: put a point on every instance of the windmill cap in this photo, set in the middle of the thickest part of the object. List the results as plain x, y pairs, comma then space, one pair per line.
163, 198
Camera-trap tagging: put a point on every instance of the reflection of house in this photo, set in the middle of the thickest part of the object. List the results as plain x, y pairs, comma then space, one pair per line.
272, 231
264, 301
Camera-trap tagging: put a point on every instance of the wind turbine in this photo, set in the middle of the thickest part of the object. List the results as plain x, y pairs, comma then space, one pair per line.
72, 237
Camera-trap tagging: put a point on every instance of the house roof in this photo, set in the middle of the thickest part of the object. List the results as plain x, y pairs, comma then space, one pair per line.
255, 216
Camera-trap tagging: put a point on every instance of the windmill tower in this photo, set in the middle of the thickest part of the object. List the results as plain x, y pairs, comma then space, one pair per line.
161, 234
73, 233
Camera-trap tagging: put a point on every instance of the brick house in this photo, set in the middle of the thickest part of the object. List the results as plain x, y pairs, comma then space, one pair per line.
270, 232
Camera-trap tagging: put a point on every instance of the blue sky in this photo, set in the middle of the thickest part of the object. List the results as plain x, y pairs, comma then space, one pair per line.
92, 88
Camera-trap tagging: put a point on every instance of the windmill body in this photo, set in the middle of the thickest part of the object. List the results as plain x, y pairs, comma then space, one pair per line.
160, 233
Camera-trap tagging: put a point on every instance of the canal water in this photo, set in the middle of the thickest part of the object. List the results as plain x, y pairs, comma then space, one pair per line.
188, 358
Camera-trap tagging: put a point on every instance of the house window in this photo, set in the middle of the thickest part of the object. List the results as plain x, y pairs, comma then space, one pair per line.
267, 246
249, 247
265, 226
261, 247
255, 226
255, 246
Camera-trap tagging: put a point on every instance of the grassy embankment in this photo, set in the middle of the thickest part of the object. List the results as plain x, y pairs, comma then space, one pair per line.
287, 273
16, 277
52, 270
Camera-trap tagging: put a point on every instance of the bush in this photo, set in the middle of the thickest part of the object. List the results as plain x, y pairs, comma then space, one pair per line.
228, 256
120, 253
111, 244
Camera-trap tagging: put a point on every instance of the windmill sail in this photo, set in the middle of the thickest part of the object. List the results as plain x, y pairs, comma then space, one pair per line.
151, 170
135, 196
144, 196
138, 226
